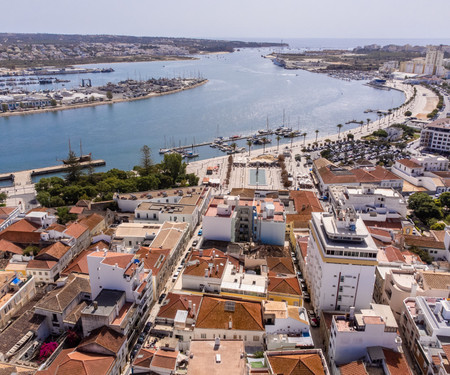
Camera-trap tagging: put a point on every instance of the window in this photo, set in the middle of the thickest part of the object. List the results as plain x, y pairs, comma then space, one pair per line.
255, 338
203, 335
342, 279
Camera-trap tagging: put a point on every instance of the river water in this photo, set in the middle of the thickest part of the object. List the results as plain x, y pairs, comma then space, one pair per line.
244, 90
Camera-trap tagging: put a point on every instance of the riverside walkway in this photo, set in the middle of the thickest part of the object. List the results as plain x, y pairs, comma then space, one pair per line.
24, 178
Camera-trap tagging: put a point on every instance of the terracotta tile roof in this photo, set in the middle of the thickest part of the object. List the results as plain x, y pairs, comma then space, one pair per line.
111, 258
59, 299
132, 267
215, 313
175, 302
23, 226
76, 230
198, 264
439, 235
353, 368
296, 364
333, 177
75, 314
55, 251
6, 369
91, 221
56, 227
376, 174
435, 280
423, 241
78, 264
41, 264
101, 245
70, 361
305, 201
104, 337
322, 162
393, 254
6, 211
285, 285
144, 358
298, 221
396, 363
394, 224
165, 359
409, 163
154, 259
76, 210
280, 265
303, 243
379, 232
21, 231
9, 247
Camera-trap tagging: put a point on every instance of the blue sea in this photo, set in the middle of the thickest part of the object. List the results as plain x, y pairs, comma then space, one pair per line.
244, 92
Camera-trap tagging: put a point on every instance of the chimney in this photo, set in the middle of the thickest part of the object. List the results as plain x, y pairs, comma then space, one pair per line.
95, 303
190, 304
230, 323
104, 253
217, 268
352, 312
193, 311
206, 272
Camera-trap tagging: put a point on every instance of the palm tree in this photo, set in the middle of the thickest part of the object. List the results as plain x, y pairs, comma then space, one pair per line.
368, 122
233, 146
339, 127
249, 144
379, 119
317, 133
292, 135
278, 142
264, 141
304, 138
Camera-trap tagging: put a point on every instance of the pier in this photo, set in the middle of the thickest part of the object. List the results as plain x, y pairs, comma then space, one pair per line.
24, 177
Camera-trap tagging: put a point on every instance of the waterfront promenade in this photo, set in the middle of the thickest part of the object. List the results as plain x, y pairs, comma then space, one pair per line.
424, 100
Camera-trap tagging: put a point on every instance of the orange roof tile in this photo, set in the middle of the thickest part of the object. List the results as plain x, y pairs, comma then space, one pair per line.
198, 264
76, 230
154, 259
112, 258
55, 251
396, 363
175, 302
41, 264
104, 337
353, 368
409, 163
285, 285
9, 247
280, 265
305, 201
296, 364
91, 221
78, 264
393, 254
144, 358
215, 314
6, 211
76, 210
165, 359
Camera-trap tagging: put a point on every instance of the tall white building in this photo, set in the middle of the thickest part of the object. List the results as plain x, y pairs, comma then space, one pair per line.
341, 261
434, 57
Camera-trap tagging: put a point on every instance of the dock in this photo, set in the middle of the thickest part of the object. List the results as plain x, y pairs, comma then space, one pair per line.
24, 177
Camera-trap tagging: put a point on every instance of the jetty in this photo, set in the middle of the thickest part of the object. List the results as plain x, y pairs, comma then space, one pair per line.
25, 177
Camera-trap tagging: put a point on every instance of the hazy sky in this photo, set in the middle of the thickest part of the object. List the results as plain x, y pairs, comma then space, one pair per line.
233, 18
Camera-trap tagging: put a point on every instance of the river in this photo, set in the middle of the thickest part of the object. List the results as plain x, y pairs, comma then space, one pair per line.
244, 90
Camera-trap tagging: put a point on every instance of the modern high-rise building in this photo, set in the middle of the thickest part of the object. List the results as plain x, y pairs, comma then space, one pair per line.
435, 56
341, 261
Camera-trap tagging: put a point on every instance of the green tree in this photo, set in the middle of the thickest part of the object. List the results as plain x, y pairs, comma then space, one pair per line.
146, 161
109, 95
417, 199
31, 250
350, 137
438, 226
56, 201
278, 142
73, 173
147, 183
317, 133
43, 197
445, 199
4, 107
428, 210
192, 179
64, 216
3, 197
408, 113
173, 165
249, 144
53, 103
325, 153
304, 138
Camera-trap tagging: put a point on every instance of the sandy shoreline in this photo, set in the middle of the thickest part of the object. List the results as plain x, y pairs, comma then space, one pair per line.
93, 104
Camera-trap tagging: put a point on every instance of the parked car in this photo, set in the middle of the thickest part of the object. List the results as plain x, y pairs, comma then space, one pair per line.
200, 232
303, 286
148, 327
195, 243
306, 297
161, 298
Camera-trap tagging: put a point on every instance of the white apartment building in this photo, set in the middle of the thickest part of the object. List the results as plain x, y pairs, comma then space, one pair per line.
8, 215
436, 136
129, 237
236, 219
161, 212
352, 334
426, 327
370, 202
341, 261
117, 271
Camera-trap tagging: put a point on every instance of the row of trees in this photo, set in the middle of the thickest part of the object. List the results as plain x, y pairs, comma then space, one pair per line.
56, 191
